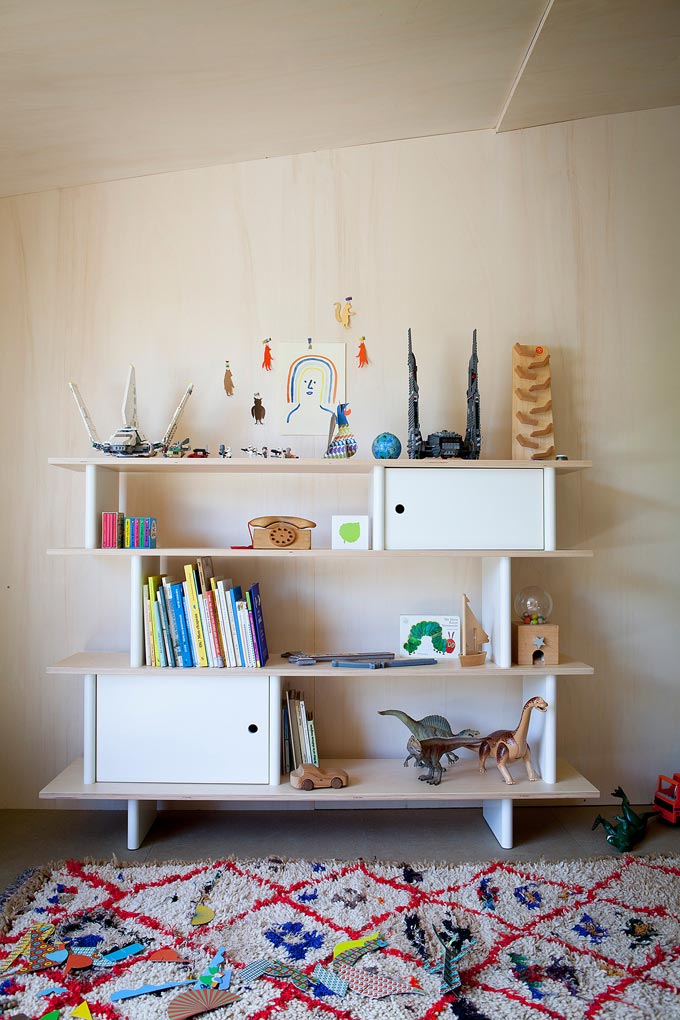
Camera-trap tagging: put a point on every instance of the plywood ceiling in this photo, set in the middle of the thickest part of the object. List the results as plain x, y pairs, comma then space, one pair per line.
94, 90
594, 57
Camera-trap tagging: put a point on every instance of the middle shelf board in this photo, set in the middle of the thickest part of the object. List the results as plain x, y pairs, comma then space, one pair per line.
191, 552
374, 780
118, 663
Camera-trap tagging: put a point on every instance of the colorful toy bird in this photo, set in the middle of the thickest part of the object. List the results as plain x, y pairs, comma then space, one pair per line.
343, 444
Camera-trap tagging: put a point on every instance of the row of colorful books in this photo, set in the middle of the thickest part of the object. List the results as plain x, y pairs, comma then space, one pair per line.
121, 532
298, 735
203, 620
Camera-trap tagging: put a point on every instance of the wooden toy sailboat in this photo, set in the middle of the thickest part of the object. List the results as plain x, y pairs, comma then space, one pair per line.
472, 637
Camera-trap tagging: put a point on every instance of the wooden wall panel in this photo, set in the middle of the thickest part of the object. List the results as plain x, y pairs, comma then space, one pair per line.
567, 235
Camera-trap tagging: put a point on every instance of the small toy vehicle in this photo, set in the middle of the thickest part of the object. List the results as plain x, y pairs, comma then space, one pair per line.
311, 777
198, 451
178, 449
667, 798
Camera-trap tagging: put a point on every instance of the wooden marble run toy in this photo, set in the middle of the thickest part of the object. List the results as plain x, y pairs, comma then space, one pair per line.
532, 417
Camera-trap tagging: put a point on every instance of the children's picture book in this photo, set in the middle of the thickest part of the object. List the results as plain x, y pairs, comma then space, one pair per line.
429, 635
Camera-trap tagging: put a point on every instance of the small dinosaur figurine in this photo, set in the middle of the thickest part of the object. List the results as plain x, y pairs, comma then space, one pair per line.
631, 827
429, 726
508, 745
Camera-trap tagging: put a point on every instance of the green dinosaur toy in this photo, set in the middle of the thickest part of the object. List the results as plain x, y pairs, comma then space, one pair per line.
631, 827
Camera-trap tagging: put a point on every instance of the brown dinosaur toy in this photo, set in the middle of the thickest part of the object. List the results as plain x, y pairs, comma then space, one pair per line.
509, 746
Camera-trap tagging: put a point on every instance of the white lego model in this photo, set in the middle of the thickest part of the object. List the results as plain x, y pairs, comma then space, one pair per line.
129, 441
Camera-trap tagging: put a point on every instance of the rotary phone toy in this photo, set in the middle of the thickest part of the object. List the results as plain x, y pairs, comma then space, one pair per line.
281, 532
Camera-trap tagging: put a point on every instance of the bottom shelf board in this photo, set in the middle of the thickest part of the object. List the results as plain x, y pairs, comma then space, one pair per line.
370, 779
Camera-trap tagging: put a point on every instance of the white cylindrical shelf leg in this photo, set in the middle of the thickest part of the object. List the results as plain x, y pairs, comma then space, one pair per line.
141, 816
89, 728
543, 726
549, 509
496, 606
275, 691
140, 566
378, 522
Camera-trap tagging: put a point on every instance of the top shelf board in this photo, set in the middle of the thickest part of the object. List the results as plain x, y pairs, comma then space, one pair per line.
311, 465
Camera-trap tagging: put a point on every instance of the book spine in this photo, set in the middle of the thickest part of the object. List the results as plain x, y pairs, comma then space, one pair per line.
165, 626
158, 628
148, 643
207, 633
304, 731
294, 736
253, 633
120, 530
152, 532
156, 633
298, 728
234, 595
246, 637
186, 656
135, 533
142, 532
227, 639
189, 623
192, 593
126, 532
259, 624
312, 740
285, 740
211, 612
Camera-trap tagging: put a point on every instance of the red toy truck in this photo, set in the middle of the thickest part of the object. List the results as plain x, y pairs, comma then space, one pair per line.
667, 798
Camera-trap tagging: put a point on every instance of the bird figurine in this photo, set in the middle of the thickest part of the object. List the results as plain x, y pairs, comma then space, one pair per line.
258, 410
343, 443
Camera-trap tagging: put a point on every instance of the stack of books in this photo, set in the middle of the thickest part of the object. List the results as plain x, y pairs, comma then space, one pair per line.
298, 735
203, 620
121, 532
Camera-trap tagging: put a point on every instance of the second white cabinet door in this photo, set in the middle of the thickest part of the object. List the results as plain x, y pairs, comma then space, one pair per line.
465, 508
174, 728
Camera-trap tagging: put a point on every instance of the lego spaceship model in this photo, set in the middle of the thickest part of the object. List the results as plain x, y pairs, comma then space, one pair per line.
129, 441
444, 444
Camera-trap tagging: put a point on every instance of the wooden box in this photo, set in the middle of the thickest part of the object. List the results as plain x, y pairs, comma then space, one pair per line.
525, 644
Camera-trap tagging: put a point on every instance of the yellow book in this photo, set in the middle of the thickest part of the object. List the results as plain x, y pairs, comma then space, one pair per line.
195, 614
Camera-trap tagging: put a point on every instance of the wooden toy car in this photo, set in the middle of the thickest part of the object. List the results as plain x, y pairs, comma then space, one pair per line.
311, 777
667, 798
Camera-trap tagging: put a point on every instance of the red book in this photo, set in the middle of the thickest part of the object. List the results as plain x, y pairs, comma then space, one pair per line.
209, 601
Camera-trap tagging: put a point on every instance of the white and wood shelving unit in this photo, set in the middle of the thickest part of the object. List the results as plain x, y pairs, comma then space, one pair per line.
135, 716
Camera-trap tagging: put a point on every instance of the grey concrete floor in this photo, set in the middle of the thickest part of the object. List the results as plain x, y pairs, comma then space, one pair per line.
36, 837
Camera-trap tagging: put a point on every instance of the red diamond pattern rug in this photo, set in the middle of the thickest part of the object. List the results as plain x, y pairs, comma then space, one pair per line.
575, 940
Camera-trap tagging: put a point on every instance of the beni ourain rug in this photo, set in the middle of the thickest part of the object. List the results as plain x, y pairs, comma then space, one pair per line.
581, 940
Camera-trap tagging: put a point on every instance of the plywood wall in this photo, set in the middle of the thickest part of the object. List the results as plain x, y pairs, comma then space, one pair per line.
566, 235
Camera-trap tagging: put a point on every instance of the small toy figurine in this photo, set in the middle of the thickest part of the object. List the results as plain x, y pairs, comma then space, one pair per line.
508, 746
267, 355
344, 313
667, 798
362, 355
430, 726
224, 451
198, 451
129, 441
311, 777
228, 381
631, 827
178, 449
257, 410
343, 444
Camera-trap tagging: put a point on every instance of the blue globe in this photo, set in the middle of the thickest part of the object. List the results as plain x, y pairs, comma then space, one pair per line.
386, 446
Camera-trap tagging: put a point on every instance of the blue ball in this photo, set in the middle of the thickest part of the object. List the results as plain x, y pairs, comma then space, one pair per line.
386, 446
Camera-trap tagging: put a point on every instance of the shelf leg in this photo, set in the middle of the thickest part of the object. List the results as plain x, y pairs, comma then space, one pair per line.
498, 816
89, 728
543, 727
378, 522
275, 689
549, 509
140, 566
141, 816
496, 607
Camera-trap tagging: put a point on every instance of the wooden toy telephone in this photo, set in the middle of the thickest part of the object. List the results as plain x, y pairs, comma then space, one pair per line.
281, 532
